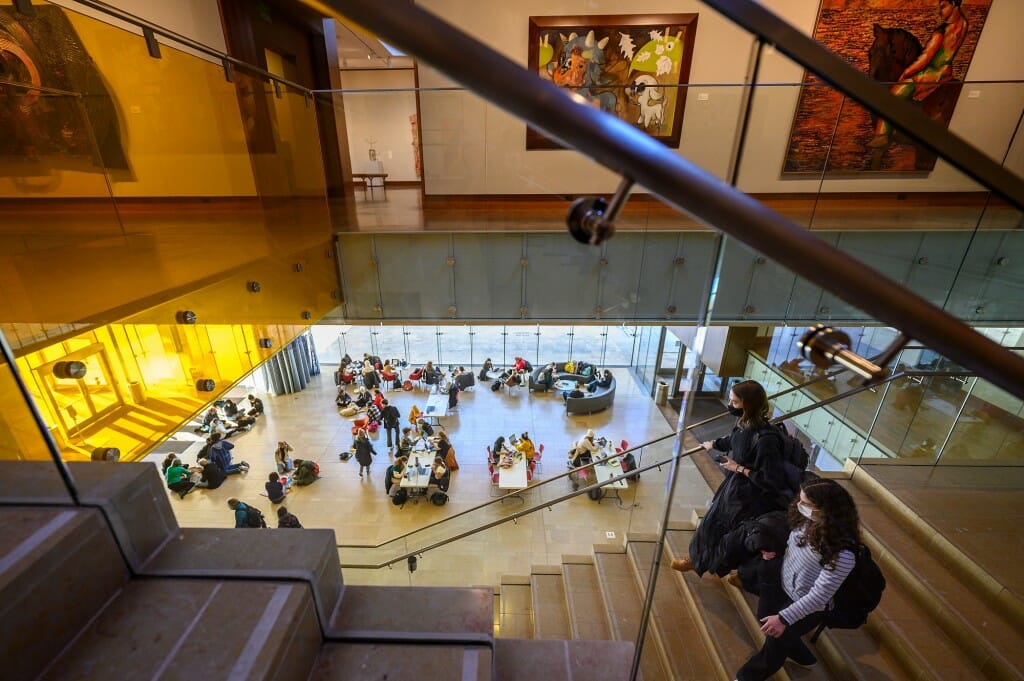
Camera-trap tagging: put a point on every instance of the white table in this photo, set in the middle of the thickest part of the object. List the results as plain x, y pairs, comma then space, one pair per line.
603, 472
437, 406
415, 481
514, 478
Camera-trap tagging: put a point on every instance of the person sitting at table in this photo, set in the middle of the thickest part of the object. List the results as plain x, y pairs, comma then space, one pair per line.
588, 443
397, 473
600, 381
426, 430
389, 374
498, 449
525, 446
485, 369
345, 361
407, 442
432, 376
464, 379
440, 477
575, 392
445, 451
370, 380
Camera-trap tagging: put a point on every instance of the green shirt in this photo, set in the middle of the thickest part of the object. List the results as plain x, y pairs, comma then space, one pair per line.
176, 474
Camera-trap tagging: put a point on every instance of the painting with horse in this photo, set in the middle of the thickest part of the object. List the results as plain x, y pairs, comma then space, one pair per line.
921, 49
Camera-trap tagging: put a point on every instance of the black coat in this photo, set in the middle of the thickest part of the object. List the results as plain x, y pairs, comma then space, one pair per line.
739, 498
364, 452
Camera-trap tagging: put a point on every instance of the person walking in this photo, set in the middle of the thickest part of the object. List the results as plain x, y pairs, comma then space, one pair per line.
755, 481
795, 589
364, 452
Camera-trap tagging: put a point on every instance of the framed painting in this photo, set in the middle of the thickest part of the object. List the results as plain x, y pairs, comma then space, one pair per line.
634, 67
921, 48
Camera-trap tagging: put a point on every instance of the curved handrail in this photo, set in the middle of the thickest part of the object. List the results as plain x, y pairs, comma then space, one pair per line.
680, 183
503, 497
640, 469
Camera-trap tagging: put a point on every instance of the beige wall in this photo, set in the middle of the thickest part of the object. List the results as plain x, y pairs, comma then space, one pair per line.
383, 116
472, 147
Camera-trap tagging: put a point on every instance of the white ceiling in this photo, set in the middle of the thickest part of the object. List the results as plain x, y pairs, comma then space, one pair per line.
360, 50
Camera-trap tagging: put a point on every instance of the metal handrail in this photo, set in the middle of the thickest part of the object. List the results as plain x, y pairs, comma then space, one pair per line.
223, 57
680, 183
584, 490
495, 500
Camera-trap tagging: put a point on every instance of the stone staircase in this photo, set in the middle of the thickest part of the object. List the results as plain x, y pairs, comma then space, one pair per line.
933, 622
113, 587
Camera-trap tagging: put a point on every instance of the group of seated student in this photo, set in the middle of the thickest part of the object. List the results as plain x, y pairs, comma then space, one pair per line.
546, 377
521, 444
182, 479
440, 475
600, 380
431, 375
463, 379
231, 418
218, 450
277, 487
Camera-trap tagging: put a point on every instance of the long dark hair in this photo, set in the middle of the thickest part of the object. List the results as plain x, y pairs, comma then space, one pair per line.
836, 524
755, 404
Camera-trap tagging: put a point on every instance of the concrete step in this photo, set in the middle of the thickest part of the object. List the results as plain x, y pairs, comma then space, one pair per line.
688, 650
414, 614
379, 661
58, 567
198, 629
550, 617
132, 495
519, 660
515, 614
624, 600
990, 641
726, 629
302, 555
588, 617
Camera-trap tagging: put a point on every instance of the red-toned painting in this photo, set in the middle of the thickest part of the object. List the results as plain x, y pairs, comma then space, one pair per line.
922, 48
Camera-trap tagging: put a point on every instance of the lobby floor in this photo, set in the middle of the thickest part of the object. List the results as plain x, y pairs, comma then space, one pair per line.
360, 513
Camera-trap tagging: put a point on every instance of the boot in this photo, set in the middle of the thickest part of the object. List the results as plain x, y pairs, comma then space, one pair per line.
683, 564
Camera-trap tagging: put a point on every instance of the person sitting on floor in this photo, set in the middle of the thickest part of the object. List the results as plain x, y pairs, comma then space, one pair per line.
212, 476
362, 397
230, 409
281, 458
286, 519
600, 381
277, 487
168, 462
343, 399
220, 454
255, 406
575, 392
485, 369
178, 479
306, 472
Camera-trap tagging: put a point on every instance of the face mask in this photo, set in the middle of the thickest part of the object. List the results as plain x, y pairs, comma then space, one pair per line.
805, 510
735, 411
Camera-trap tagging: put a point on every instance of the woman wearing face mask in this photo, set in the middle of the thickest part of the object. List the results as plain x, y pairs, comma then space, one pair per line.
755, 482
797, 588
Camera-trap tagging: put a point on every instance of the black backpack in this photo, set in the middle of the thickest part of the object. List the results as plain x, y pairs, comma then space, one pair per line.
254, 517
629, 464
439, 498
858, 595
496, 386
400, 497
795, 456
397, 384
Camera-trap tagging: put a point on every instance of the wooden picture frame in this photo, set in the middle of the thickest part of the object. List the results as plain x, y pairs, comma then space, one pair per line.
635, 67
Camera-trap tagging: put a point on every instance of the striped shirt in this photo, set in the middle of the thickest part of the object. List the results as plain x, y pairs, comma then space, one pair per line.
809, 584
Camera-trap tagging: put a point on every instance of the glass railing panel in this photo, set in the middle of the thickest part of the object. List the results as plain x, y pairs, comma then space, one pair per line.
990, 429
20, 436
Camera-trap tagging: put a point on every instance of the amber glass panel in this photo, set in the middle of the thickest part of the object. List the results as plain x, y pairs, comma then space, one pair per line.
20, 438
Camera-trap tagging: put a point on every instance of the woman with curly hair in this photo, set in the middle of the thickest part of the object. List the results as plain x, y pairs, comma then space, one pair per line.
755, 481
797, 588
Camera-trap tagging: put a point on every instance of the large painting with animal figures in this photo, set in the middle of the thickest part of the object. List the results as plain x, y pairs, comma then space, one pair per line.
920, 48
633, 67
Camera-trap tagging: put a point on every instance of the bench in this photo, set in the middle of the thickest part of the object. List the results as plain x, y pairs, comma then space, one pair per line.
602, 398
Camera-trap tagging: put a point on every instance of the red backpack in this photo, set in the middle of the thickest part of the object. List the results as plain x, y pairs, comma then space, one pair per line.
316, 468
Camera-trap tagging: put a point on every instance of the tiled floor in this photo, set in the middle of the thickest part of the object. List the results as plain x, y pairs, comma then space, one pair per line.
360, 513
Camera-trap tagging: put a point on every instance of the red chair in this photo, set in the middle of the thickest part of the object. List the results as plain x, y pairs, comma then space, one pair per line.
624, 445
416, 376
529, 475
389, 380
490, 457
538, 455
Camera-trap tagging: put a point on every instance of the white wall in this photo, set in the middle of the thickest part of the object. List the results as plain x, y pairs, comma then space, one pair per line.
472, 147
383, 116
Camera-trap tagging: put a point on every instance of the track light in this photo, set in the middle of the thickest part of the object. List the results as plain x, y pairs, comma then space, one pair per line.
206, 385
266, 343
106, 454
186, 317
70, 369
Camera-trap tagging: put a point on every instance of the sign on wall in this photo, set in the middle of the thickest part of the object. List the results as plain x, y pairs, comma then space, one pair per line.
920, 48
634, 67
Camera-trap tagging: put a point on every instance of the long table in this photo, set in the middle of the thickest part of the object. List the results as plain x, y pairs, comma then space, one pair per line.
437, 407
414, 481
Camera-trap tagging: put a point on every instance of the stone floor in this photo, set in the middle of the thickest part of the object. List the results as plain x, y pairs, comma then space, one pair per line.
360, 513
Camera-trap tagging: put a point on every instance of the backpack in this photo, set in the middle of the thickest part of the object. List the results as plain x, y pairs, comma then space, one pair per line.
345, 455
316, 469
628, 463
372, 427
794, 455
496, 386
570, 367
426, 429
401, 496
857, 596
254, 517
595, 494
407, 385
439, 498
397, 384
